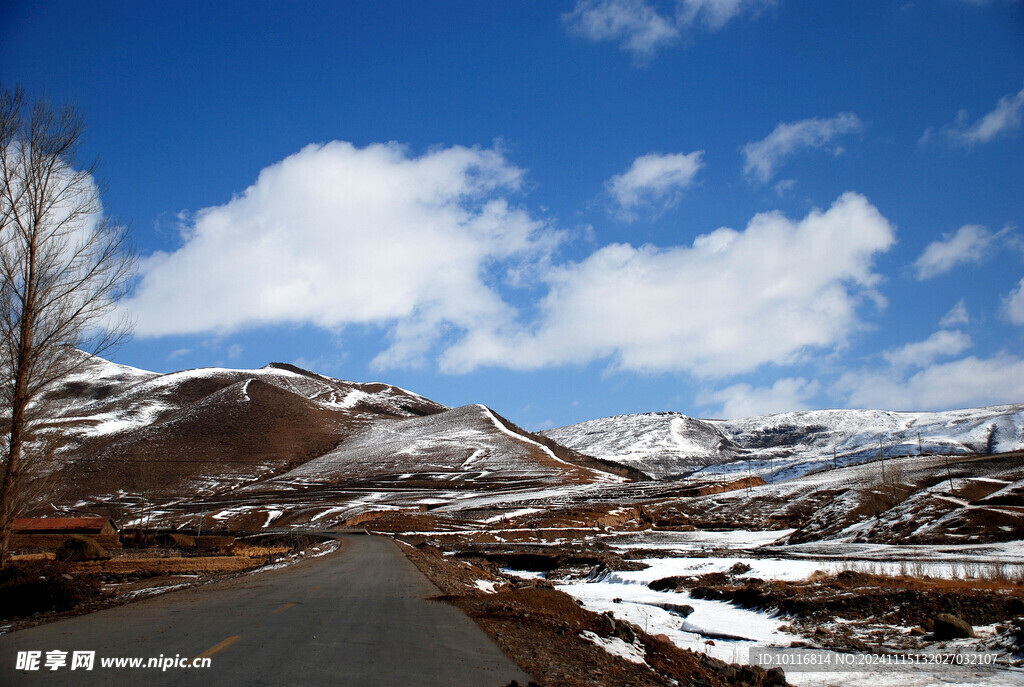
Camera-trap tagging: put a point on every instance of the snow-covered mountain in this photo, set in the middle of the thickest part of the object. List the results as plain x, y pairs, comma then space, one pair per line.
659, 444
103, 397
132, 430
128, 435
786, 445
284, 445
463, 445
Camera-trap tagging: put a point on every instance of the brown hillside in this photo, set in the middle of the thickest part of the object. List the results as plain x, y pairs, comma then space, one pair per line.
219, 437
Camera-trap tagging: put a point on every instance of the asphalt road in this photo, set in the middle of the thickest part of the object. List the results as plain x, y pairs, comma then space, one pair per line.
362, 616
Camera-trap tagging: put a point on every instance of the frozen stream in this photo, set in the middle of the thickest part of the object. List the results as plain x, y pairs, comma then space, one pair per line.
698, 554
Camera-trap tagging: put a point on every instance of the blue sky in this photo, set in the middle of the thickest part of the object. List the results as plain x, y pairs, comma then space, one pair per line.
564, 210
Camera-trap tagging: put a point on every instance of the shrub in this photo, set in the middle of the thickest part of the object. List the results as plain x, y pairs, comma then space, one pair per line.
181, 541
40, 587
213, 543
80, 548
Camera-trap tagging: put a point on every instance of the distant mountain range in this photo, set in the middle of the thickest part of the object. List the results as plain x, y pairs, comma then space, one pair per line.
281, 445
787, 445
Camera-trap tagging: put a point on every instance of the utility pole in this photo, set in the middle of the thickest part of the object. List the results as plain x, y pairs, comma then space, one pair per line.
835, 461
881, 457
920, 451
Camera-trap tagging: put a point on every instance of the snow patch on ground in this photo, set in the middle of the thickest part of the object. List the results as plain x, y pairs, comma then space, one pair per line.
617, 647
513, 514
272, 515
485, 586
733, 630
730, 633
352, 398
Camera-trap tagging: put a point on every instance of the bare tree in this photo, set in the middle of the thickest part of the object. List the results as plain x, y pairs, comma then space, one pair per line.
63, 266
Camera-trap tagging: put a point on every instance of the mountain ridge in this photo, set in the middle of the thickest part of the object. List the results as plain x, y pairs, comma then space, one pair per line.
224, 434
667, 444
310, 448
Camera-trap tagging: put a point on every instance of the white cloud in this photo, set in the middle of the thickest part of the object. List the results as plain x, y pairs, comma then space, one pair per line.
742, 400
655, 180
1013, 305
964, 383
956, 316
714, 14
423, 247
641, 28
727, 304
336, 235
333, 364
971, 243
178, 353
941, 344
765, 156
1006, 117
783, 187
914, 381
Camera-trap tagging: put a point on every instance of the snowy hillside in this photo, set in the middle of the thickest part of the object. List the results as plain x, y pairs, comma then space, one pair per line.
250, 443
238, 440
659, 444
209, 429
105, 398
467, 444
787, 445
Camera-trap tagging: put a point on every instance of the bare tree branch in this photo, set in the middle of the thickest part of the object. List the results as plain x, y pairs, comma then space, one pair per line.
63, 267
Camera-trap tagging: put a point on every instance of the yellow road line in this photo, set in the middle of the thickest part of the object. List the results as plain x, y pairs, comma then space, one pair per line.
283, 608
219, 647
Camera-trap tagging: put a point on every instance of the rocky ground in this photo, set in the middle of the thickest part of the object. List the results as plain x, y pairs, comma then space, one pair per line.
560, 643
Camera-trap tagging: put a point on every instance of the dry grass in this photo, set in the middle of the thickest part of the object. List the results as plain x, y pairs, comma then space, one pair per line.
402, 520
34, 557
256, 551
166, 566
967, 575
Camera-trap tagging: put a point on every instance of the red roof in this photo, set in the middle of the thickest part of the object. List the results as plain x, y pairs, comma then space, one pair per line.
59, 524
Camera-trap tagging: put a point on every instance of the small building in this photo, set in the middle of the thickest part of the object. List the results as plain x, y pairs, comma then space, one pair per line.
49, 533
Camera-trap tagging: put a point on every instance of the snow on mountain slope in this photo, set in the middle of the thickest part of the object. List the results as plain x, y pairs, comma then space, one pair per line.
911, 499
659, 444
241, 439
800, 442
787, 445
104, 398
461, 445
208, 428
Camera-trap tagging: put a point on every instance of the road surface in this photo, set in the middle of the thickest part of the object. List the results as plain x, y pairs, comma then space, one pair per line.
362, 616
